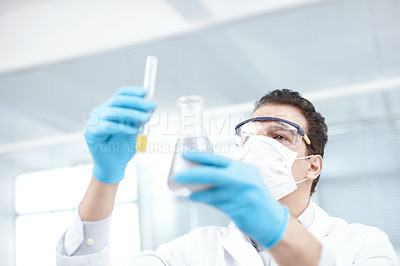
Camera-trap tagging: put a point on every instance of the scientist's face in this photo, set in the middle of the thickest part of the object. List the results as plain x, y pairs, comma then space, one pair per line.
306, 168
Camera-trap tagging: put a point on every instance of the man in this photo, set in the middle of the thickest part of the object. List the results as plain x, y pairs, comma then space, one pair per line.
282, 149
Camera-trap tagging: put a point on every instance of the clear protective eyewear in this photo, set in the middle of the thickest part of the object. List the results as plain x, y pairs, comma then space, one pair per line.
284, 131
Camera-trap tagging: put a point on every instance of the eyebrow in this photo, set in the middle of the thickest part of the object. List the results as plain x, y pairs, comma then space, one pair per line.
280, 125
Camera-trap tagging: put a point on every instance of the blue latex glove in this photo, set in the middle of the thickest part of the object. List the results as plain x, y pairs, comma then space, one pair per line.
240, 192
111, 132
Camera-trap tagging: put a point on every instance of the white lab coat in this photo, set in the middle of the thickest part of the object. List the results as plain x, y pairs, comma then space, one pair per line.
342, 244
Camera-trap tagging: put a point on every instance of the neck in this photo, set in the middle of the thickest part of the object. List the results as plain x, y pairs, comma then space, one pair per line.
296, 203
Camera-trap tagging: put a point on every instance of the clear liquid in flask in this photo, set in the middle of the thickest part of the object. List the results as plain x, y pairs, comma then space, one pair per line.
198, 144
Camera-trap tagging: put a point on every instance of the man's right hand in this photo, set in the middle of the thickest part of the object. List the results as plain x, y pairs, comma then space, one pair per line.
111, 132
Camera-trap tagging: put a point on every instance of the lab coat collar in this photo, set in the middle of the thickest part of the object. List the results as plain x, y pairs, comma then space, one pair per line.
306, 218
322, 224
237, 244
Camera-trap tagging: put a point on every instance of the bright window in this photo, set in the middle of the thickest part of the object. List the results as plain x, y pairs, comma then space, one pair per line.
45, 203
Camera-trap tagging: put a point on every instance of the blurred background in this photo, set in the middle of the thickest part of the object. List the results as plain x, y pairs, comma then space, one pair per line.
59, 59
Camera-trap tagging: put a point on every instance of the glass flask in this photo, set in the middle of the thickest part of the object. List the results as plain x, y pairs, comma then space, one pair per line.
192, 137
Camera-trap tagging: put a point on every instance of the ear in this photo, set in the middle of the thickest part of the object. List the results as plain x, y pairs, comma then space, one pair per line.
315, 167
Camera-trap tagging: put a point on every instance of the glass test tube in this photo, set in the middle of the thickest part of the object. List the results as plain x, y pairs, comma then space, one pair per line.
149, 85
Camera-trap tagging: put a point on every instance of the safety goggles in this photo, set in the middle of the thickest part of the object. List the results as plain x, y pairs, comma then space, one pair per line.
284, 131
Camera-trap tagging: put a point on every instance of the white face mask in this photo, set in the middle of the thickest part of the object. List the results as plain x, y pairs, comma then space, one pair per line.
274, 162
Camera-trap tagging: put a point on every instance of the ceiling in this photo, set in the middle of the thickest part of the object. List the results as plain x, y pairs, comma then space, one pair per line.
41, 32
315, 48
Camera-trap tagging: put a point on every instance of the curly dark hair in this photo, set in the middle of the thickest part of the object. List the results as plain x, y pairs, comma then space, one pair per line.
316, 130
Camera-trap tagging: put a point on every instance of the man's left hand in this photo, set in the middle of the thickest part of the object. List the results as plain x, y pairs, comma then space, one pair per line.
239, 191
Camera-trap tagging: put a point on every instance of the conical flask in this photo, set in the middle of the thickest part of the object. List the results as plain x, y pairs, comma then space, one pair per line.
192, 137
